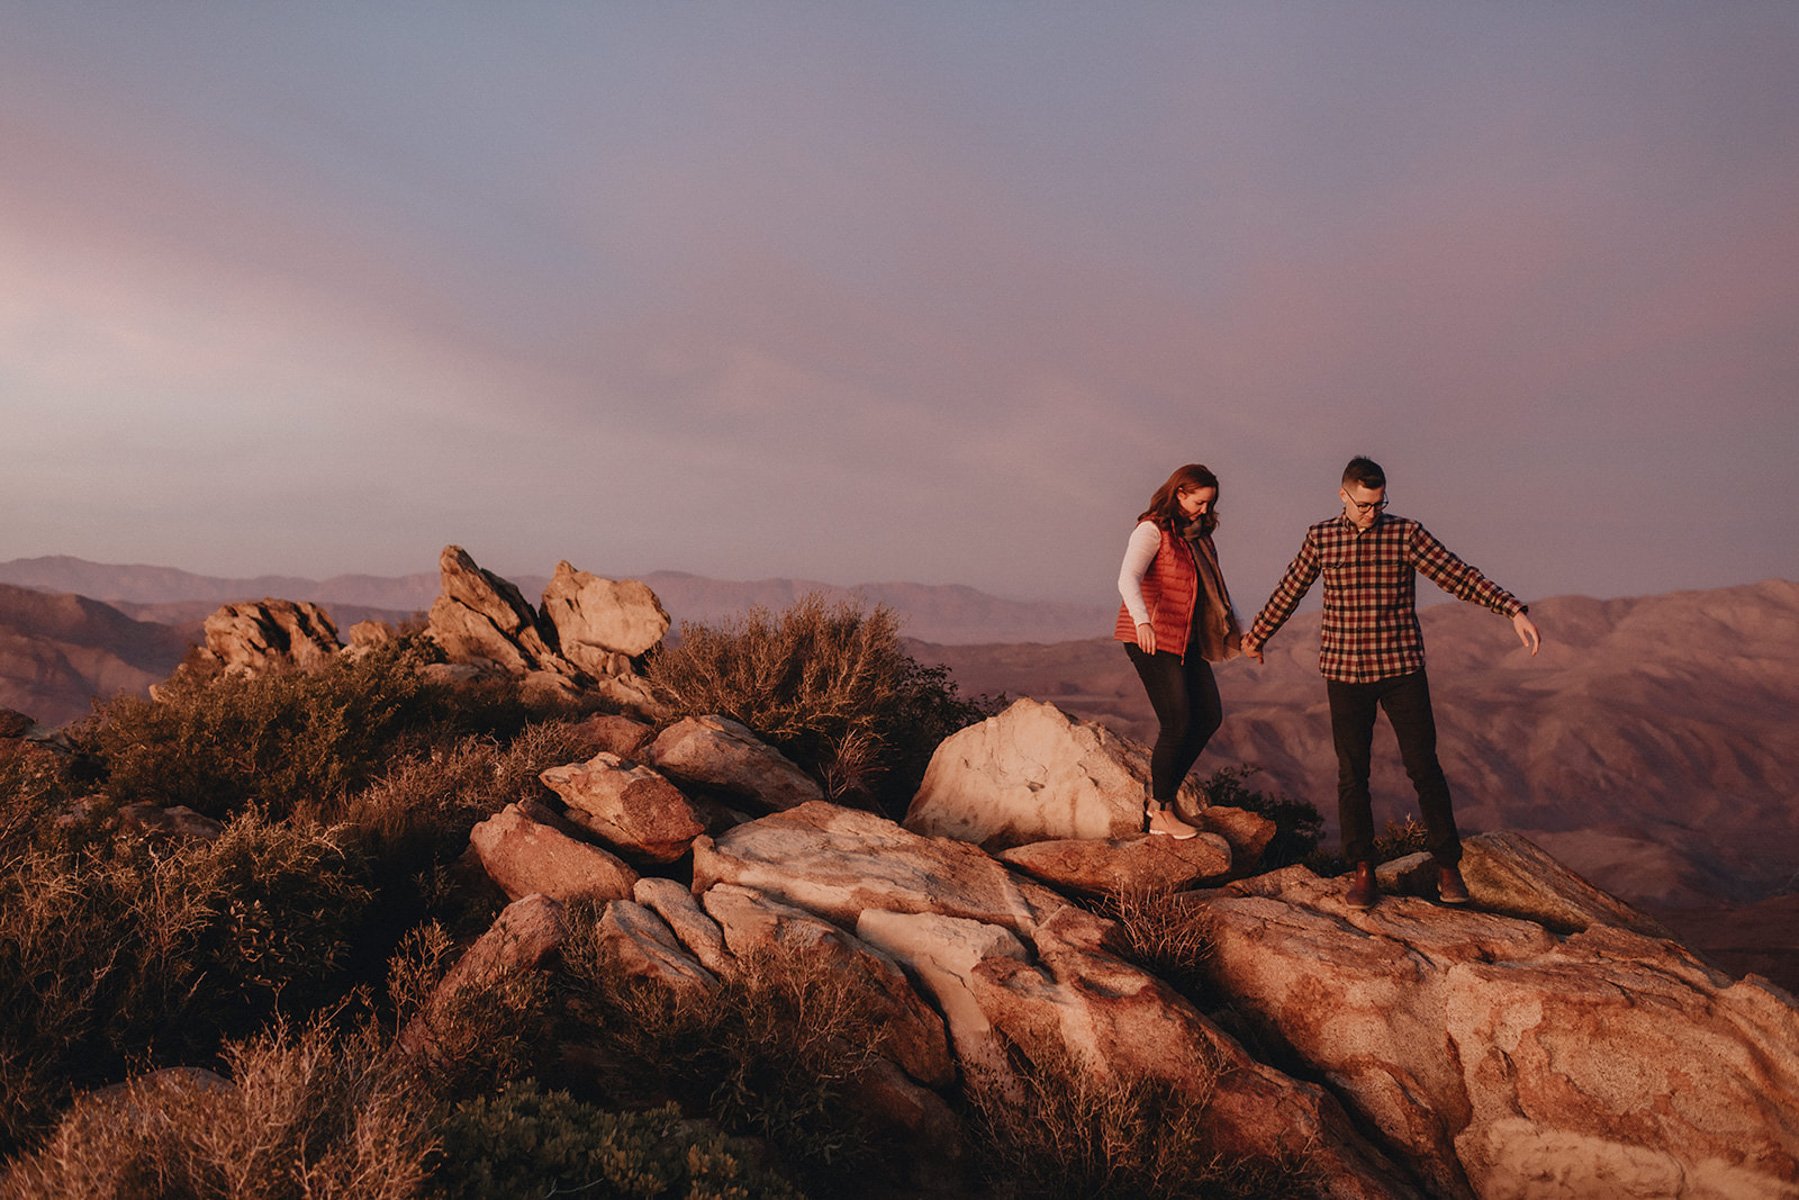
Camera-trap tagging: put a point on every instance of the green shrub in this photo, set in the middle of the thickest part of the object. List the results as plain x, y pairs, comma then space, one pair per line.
1298, 826
285, 739
776, 1051
831, 685
525, 1143
125, 948
1067, 1132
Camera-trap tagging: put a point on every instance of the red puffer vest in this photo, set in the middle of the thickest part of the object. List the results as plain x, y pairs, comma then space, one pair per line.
1170, 590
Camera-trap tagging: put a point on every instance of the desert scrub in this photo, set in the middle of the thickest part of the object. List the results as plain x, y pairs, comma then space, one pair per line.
1164, 934
525, 1143
307, 1114
284, 739
831, 685
777, 1051
1063, 1132
125, 949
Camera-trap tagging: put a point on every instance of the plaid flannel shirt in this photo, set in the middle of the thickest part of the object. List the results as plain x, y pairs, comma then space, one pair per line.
1370, 629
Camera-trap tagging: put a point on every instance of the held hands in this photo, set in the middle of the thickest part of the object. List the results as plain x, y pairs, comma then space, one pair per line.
1251, 647
1146, 638
1527, 632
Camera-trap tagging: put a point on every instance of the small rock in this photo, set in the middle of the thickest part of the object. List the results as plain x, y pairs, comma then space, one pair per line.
526, 933
717, 752
523, 856
631, 807
1134, 864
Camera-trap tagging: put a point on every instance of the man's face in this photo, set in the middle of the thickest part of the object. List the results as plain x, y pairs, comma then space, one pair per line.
1361, 505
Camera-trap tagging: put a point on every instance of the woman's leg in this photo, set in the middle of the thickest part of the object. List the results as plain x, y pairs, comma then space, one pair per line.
1205, 713
1163, 679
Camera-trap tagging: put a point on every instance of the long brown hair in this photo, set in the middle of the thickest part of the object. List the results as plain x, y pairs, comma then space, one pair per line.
1164, 507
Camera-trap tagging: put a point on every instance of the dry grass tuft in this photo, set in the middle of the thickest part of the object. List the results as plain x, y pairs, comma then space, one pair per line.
1163, 934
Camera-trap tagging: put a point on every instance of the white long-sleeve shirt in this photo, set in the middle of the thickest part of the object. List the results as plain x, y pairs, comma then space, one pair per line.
1139, 552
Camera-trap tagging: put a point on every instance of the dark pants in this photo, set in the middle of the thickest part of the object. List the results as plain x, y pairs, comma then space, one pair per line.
1185, 697
1407, 701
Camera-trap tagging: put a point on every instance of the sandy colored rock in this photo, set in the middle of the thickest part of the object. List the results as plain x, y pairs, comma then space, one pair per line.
698, 933
912, 1034
1247, 832
634, 942
1505, 1060
523, 856
480, 618
369, 636
1508, 874
623, 736
1034, 774
837, 861
177, 822
717, 752
525, 934
1134, 864
631, 807
602, 624
262, 635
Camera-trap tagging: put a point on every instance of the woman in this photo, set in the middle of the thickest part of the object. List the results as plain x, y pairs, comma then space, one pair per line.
1176, 620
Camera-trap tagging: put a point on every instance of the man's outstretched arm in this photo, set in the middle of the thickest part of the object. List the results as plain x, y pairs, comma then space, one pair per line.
1436, 563
1287, 595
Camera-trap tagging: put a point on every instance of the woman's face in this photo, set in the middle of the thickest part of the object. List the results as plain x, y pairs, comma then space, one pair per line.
1196, 502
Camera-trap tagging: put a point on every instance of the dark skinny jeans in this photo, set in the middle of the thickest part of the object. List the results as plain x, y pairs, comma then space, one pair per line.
1185, 697
1407, 701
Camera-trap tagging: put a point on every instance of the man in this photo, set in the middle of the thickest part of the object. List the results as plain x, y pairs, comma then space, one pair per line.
1372, 656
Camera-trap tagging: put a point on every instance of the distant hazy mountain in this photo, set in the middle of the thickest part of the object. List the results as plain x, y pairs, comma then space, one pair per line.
945, 613
58, 652
1653, 744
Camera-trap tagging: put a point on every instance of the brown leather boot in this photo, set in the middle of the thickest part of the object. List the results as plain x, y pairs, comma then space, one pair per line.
1363, 890
1451, 889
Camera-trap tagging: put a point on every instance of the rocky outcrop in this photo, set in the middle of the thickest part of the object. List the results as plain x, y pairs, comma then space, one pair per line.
1033, 774
524, 856
602, 625
633, 808
262, 635
481, 618
1507, 1060
1133, 864
724, 756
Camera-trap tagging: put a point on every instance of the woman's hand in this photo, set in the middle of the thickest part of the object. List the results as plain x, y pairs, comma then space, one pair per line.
1146, 638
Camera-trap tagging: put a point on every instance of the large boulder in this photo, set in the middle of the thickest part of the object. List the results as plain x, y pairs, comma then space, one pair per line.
602, 625
1507, 1060
726, 756
912, 1034
1034, 774
1133, 864
525, 856
261, 635
482, 619
837, 862
630, 807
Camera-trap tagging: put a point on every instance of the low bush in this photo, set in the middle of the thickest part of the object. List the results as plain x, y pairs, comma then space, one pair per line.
1395, 840
831, 685
1066, 1132
525, 1143
1163, 935
776, 1051
125, 949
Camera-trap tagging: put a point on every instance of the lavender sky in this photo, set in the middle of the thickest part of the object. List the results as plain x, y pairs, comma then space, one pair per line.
899, 291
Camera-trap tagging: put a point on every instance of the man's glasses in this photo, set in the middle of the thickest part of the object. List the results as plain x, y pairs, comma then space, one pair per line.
1376, 505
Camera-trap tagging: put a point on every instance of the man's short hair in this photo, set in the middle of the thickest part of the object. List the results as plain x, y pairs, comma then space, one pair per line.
1364, 471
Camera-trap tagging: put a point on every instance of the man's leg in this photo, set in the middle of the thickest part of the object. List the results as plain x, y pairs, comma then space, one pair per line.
1352, 733
1408, 707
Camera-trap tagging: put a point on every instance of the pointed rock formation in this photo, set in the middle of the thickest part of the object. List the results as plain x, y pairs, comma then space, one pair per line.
257, 636
632, 808
1503, 1059
725, 755
483, 619
1034, 774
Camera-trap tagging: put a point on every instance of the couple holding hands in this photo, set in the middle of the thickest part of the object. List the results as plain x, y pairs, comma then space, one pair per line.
1176, 620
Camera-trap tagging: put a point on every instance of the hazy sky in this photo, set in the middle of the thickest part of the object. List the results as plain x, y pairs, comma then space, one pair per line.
919, 291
